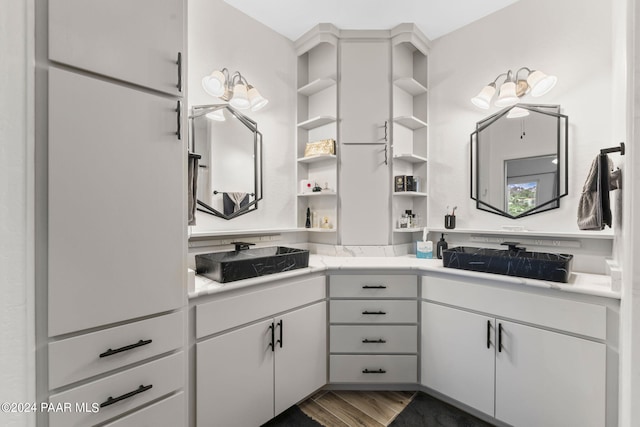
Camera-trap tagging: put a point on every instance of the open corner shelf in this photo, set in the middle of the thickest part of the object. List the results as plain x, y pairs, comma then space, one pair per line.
410, 158
409, 194
316, 122
410, 85
316, 86
317, 158
410, 122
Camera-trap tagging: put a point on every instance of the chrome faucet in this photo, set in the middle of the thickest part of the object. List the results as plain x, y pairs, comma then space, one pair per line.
241, 246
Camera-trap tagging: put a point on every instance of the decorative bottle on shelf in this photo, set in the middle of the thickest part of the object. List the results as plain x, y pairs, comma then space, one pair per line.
308, 223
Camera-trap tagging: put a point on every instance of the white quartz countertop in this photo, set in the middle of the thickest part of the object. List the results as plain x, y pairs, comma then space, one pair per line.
583, 283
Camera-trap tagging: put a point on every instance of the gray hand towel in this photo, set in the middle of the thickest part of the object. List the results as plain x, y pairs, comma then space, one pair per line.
192, 187
594, 211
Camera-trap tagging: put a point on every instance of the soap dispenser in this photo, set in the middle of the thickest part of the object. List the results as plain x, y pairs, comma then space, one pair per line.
441, 246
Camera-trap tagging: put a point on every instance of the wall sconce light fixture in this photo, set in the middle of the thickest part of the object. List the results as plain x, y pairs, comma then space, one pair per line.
536, 82
234, 89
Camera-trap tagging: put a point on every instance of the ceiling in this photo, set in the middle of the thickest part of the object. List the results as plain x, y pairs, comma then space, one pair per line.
292, 18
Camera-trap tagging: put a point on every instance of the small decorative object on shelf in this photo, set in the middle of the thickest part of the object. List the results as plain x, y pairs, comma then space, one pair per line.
325, 146
316, 188
307, 224
406, 183
325, 223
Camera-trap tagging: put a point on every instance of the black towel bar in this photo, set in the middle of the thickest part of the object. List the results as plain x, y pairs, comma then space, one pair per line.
619, 149
220, 192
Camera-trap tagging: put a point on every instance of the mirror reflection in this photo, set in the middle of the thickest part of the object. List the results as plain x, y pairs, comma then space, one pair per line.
518, 160
230, 169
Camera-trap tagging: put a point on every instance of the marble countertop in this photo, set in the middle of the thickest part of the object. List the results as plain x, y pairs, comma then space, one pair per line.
583, 283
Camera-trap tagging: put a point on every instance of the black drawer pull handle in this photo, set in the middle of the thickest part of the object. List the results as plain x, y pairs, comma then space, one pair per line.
273, 336
488, 333
112, 400
499, 337
179, 119
280, 325
373, 312
379, 371
368, 341
374, 287
179, 63
125, 348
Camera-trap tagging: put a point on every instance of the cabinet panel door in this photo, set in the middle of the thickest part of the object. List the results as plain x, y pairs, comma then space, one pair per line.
301, 362
234, 378
364, 91
116, 204
455, 357
549, 379
365, 181
117, 38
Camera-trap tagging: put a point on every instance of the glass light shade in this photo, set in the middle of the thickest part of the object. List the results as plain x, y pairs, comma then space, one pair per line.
517, 112
240, 99
214, 84
540, 83
256, 100
216, 115
483, 99
507, 95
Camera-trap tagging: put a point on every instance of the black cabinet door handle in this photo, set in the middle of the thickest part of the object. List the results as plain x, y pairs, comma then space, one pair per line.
377, 371
111, 352
373, 312
374, 287
273, 336
499, 337
386, 127
280, 324
488, 333
368, 341
179, 119
179, 62
112, 400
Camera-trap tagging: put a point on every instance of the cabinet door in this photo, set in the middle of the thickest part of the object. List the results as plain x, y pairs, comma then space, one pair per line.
456, 360
364, 195
135, 41
116, 204
364, 91
234, 378
548, 379
301, 357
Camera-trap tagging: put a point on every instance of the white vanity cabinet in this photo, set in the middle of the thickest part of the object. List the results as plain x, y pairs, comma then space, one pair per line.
265, 358
525, 359
140, 41
373, 328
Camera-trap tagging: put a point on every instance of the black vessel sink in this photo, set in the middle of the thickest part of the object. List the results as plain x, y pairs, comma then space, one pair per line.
243, 264
512, 262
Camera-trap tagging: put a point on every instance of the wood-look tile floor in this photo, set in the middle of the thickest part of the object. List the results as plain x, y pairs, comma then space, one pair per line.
356, 408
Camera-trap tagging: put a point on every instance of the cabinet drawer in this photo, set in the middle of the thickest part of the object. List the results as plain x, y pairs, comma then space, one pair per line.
373, 286
366, 339
226, 313
168, 412
163, 375
558, 313
373, 311
77, 358
373, 369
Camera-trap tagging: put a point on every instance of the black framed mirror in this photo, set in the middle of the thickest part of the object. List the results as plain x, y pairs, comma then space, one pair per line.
519, 160
230, 167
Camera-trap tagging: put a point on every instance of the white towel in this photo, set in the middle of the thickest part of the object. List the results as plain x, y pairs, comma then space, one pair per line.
236, 198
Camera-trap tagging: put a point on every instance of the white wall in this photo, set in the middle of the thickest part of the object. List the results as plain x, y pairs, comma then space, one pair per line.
221, 36
563, 38
16, 326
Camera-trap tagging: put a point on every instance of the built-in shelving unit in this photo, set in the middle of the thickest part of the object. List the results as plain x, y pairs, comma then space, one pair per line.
317, 111
410, 131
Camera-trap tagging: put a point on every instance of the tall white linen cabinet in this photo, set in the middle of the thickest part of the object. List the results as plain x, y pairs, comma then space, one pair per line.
111, 264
